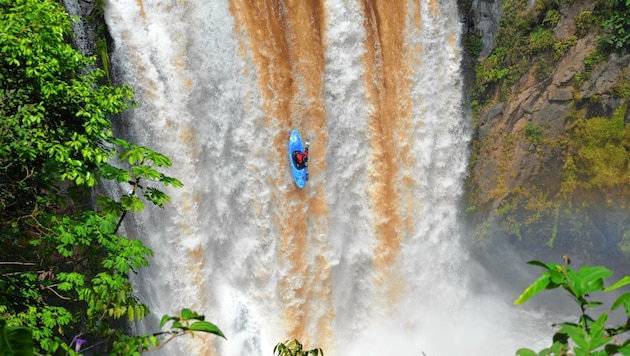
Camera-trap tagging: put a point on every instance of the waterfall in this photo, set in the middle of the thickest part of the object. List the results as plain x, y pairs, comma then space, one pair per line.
368, 258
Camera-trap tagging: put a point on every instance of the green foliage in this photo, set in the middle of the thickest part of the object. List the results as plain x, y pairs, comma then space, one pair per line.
473, 44
584, 22
294, 348
64, 269
552, 18
18, 341
15, 341
622, 88
188, 322
590, 61
616, 27
588, 336
561, 47
53, 109
534, 133
541, 40
525, 33
525, 39
597, 154
543, 69
54, 113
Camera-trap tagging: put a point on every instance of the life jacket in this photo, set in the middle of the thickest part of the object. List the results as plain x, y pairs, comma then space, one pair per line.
300, 157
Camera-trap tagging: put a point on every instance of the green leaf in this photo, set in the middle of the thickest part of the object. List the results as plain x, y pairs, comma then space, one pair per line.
130, 313
110, 172
131, 202
541, 264
107, 225
558, 348
596, 333
15, 340
171, 181
535, 288
625, 351
120, 142
620, 283
110, 206
525, 352
592, 278
133, 155
166, 319
157, 197
559, 274
188, 314
208, 327
158, 159
624, 300
145, 171
577, 334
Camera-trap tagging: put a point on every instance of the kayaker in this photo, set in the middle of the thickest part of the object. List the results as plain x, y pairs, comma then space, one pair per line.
300, 159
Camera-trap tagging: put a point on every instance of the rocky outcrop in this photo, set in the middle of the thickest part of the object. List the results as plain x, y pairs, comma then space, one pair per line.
487, 15
517, 173
84, 28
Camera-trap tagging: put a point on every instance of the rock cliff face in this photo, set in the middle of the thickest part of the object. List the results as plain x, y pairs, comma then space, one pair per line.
530, 181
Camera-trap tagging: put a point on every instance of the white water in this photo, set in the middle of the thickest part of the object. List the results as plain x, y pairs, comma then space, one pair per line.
220, 246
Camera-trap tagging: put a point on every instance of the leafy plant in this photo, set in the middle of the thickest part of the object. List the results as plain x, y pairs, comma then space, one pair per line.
534, 133
525, 32
15, 341
64, 269
588, 336
294, 348
473, 44
552, 18
617, 27
584, 21
18, 341
561, 47
622, 88
541, 40
597, 153
188, 322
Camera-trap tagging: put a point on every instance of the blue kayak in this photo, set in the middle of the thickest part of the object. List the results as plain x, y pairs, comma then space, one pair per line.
300, 174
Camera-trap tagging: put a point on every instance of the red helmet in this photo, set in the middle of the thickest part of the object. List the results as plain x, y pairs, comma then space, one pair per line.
299, 157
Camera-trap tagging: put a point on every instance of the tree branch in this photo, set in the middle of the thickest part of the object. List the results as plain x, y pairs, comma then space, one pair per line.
16, 273
57, 294
175, 334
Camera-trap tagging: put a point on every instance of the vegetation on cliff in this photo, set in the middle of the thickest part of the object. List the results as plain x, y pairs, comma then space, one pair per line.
551, 151
526, 38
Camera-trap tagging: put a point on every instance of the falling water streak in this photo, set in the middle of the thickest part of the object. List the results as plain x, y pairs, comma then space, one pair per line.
441, 158
445, 136
292, 88
83, 29
306, 20
387, 83
163, 120
161, 77
350, 225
